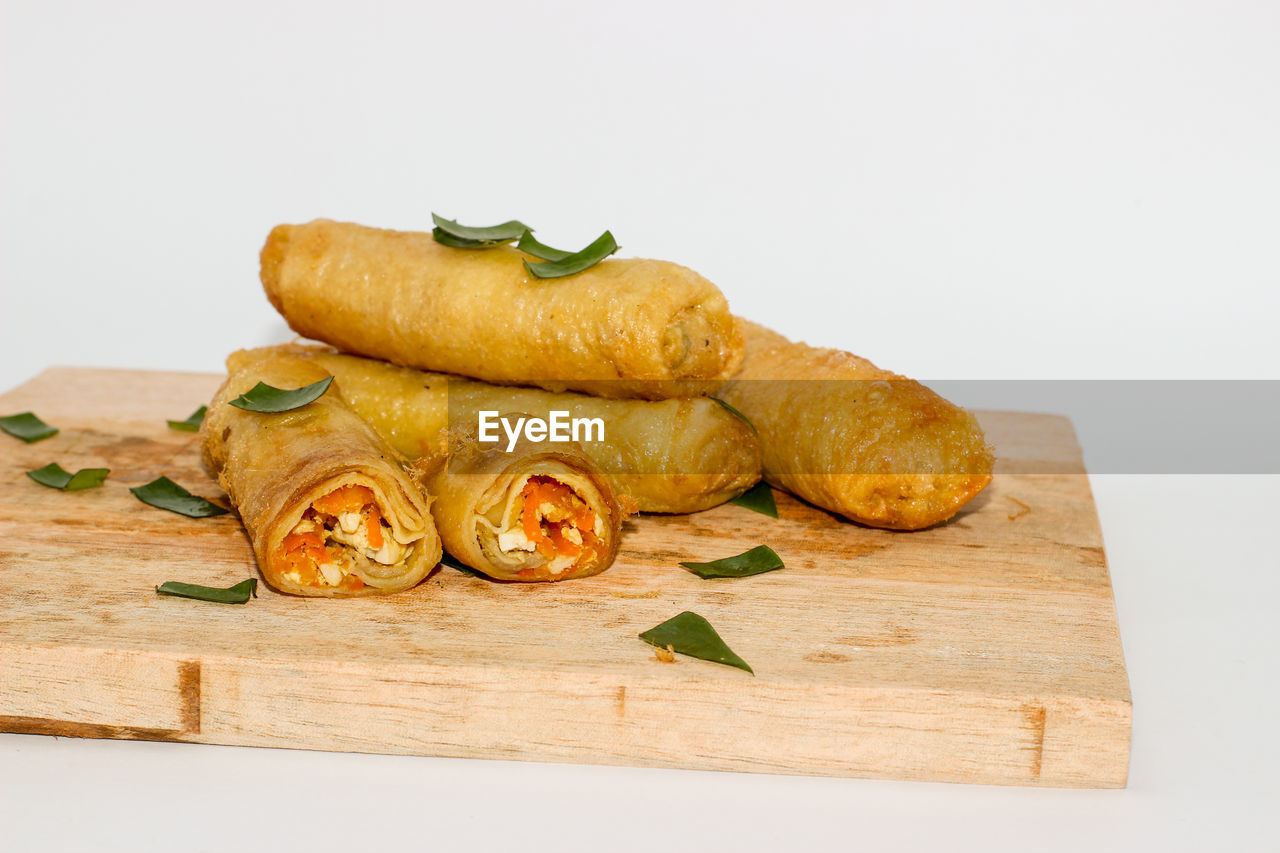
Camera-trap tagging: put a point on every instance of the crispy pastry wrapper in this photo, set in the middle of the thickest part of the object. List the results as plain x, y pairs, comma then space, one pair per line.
650, 329
487, 501
841, 433
276, 466
679, 455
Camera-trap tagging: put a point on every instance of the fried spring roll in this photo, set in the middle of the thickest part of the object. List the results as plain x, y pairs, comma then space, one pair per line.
857, 440
670, 455
328, 508
654, 329
531, 514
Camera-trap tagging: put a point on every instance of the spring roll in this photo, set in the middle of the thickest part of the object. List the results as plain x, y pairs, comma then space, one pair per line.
681, 455
857, 440
528, 514
327, 506
624, 328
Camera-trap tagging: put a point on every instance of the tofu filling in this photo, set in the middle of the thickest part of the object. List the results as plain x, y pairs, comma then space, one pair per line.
335, 534
554, 523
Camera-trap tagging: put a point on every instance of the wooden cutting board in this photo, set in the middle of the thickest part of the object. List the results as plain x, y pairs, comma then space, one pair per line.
985, 650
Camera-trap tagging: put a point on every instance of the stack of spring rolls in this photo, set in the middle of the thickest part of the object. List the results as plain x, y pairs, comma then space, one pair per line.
358, 492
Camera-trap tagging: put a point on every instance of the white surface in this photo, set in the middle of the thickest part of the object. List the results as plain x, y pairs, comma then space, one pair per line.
985, 190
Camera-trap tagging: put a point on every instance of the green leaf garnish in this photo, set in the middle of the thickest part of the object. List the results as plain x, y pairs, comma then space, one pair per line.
690, 634
270, 400
446, 239
238, 594
603, 247
737, 414
530, 246
757, 561
53, 476
193, 421
457, 236
163, 493
27, 427
758, 498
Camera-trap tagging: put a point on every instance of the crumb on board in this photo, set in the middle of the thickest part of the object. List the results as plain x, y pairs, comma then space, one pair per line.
667, 655
653, 593
1021, 512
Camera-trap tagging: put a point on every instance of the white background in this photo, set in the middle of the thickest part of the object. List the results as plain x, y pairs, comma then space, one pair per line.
955, 190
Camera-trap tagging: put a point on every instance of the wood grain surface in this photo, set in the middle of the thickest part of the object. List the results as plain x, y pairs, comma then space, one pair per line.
984, 650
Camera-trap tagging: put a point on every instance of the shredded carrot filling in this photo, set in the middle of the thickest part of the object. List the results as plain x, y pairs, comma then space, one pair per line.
345, 499
550, 537
373, 527
355, 499
303, 552
309, 544
305, 567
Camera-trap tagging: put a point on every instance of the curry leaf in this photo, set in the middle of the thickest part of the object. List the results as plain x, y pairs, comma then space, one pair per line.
270, 400
690, 634
193, 421
531, 246
163, 493
444, 238
450, 233
601, 248
737, 414
757, 561
26, 426
758, 498
53, 476
237, 594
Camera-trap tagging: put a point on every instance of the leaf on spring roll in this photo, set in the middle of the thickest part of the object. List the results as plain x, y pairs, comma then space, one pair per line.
757, 561
237, 594
55, 477
163, 493
193, 421
444, 238
271, 400
758, 498
26, 426
737, 414
690, 634
530, 246
601, 248
450, 233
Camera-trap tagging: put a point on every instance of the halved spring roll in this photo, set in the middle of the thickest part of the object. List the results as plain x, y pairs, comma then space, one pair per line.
649, 329
531, 514
841, 433
681, 455
327, 506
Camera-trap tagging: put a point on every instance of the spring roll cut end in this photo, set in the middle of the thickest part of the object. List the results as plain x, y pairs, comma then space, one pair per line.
703, 344
542, 526
346, 540
324, 500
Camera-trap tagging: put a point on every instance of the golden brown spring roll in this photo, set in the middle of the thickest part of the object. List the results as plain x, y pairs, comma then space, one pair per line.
623, 328
328, 508
528, 514
680, 455
857, 440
